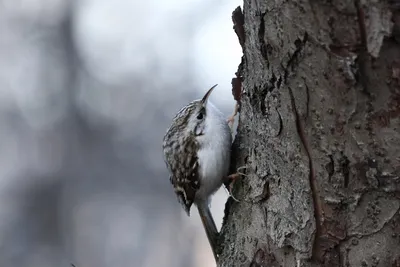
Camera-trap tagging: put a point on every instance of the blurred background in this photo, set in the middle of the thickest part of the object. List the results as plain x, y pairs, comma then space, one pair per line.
87, 91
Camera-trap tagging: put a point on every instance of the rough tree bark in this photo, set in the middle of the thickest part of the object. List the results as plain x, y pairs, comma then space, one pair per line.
319, 91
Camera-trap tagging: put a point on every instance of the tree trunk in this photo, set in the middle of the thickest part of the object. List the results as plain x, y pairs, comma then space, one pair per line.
319, 93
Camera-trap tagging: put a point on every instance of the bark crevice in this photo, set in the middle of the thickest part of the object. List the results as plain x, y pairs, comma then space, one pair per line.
318, 210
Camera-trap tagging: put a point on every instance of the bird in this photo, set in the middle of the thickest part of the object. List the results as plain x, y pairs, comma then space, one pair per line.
197, 151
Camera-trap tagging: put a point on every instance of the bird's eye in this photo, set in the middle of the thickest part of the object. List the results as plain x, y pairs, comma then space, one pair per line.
200, 116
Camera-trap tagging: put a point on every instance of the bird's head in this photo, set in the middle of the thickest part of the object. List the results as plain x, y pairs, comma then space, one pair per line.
194, 116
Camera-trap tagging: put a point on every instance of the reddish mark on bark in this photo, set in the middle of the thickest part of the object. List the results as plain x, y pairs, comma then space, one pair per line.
236, 88
238, 25
318, 210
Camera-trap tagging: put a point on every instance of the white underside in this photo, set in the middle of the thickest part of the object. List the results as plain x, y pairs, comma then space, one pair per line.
214, 154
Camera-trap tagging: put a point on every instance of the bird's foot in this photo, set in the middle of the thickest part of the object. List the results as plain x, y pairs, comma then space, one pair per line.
231, 179
231, 119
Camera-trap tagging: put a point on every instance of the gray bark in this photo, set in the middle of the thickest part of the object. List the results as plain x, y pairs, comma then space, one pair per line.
319, 93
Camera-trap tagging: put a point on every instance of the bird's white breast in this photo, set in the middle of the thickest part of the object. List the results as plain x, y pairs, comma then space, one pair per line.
214, 153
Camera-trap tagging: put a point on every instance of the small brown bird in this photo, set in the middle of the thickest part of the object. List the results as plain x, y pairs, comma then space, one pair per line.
197, 149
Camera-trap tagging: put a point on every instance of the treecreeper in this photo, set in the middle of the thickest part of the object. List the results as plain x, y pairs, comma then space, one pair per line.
197, 150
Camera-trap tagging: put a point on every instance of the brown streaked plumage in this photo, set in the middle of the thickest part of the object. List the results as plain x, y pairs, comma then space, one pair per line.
197, 154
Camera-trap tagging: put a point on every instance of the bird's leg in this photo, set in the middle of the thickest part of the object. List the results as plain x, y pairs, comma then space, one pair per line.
231, 119
209, 226
231, 179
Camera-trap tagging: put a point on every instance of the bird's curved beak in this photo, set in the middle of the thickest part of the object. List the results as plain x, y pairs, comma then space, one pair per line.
207, 95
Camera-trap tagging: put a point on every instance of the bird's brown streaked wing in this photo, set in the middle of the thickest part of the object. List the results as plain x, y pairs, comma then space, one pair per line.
184, 178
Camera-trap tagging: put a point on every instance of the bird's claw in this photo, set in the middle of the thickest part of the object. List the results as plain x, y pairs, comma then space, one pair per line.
232, 178
231, 119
